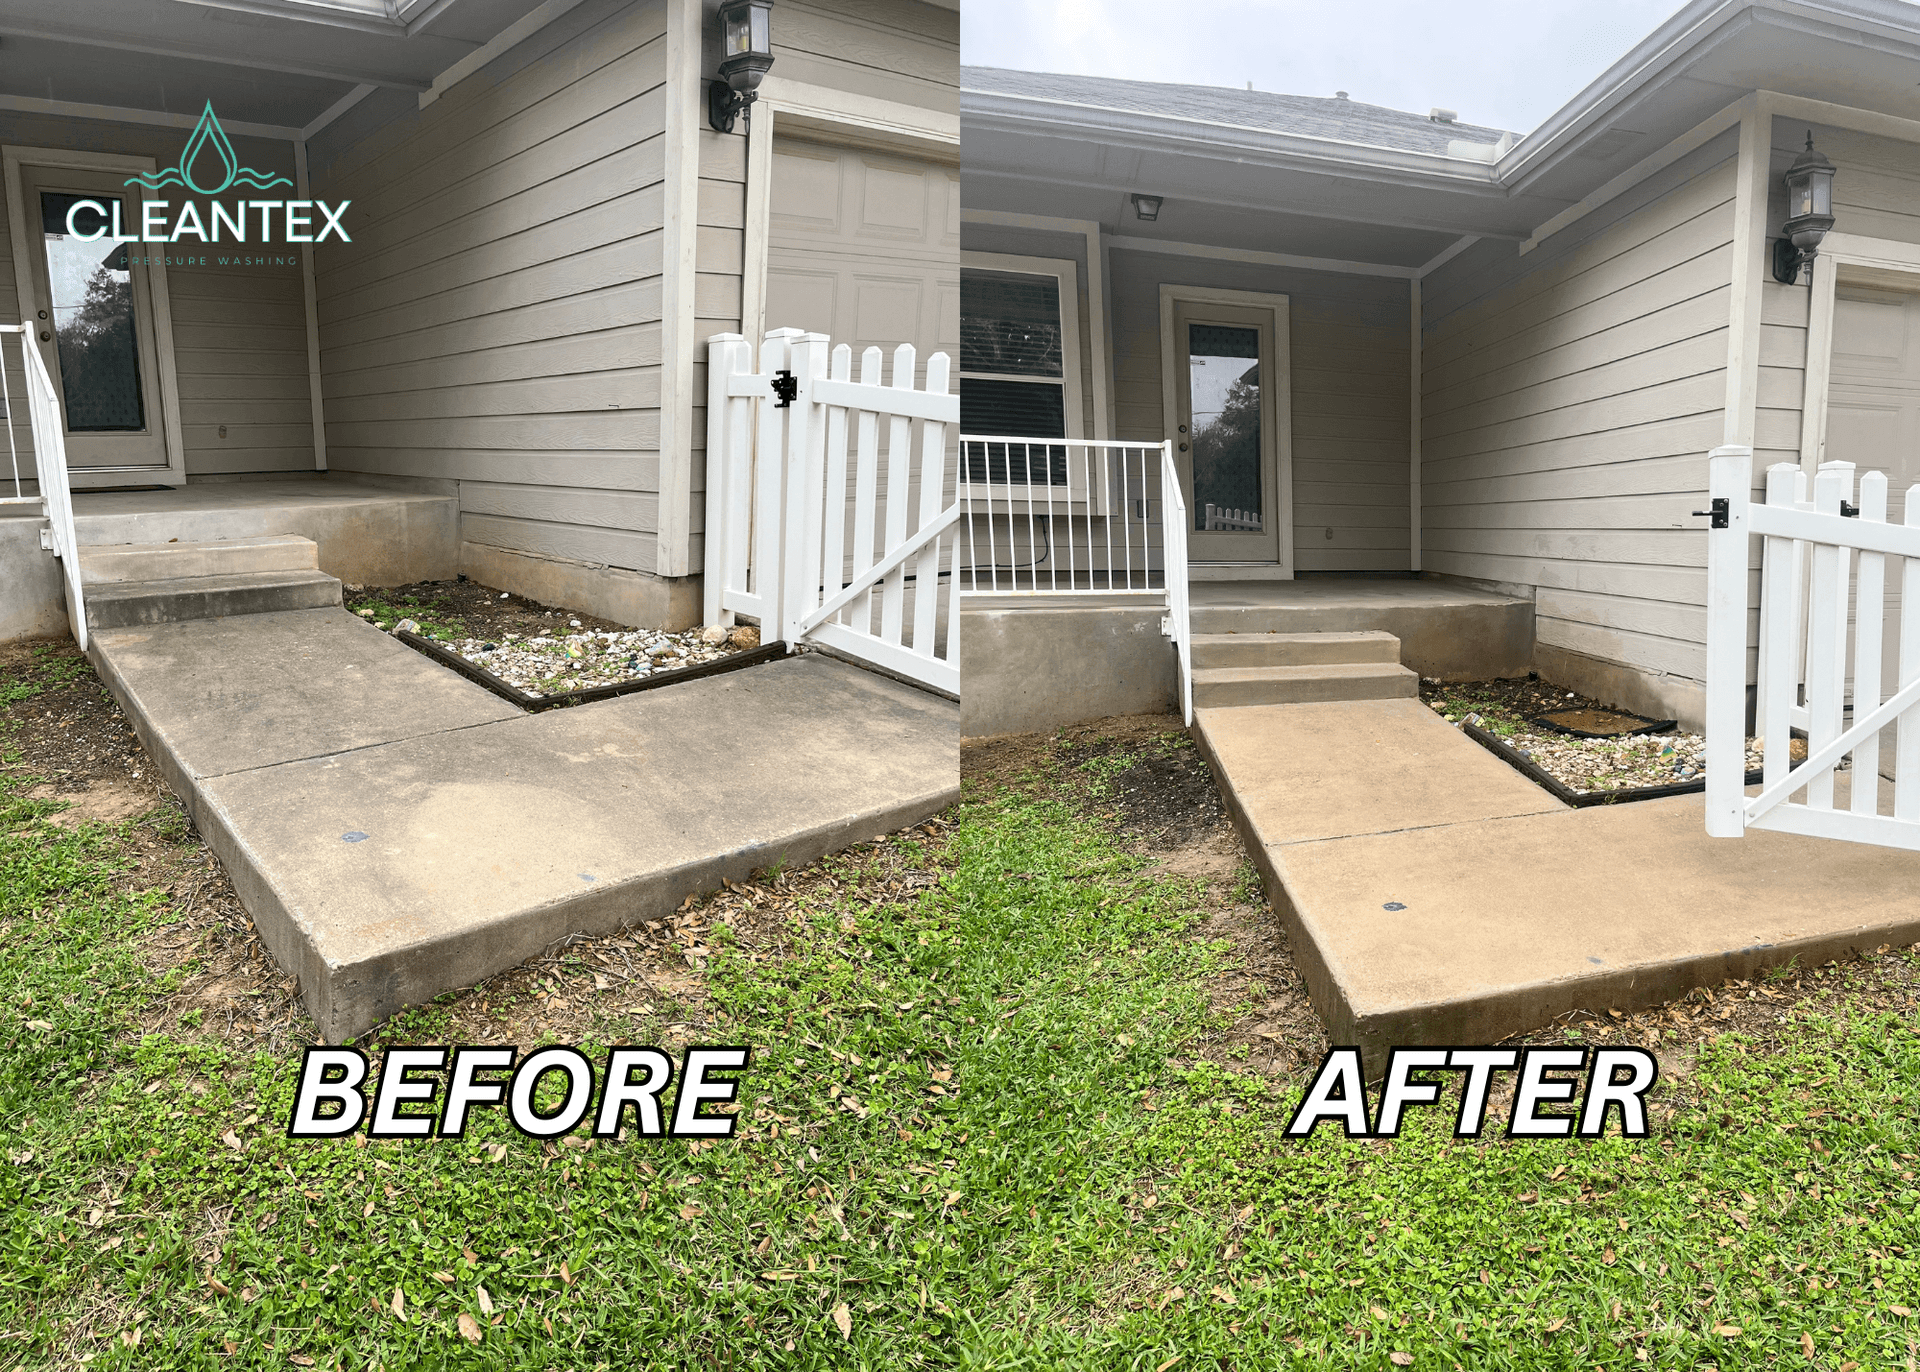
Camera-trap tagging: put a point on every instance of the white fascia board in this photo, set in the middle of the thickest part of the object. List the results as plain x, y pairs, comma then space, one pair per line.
61, 33
1027, 115
73, 109
515, 33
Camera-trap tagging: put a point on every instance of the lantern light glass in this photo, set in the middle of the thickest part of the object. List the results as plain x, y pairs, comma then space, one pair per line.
1809, 185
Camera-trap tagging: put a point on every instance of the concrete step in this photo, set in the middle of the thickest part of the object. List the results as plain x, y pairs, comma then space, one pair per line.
1293, 650
218, 557
1217, 686
171, 600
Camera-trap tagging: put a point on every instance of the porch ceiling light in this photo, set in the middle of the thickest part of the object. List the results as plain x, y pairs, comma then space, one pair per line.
1809, 214
746, 42
1147, 207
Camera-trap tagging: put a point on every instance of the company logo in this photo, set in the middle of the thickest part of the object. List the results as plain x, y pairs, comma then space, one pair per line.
208, 134
209, 221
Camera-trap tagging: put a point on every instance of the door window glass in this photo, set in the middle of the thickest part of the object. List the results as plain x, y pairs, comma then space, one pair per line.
1223, 372
91, 285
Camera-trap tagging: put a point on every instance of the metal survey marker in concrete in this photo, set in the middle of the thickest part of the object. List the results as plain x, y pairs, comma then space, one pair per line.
396, 831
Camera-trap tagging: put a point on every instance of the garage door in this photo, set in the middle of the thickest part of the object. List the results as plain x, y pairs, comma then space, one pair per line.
864, 247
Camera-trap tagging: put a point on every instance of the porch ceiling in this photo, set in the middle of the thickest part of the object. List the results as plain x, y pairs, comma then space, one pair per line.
258, 61
1269, 186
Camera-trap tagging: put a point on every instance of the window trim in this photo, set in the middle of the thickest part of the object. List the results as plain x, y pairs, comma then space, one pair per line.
1066, 273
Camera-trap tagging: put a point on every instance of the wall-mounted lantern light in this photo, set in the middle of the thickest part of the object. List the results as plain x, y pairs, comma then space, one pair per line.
1809, 214
746, 45
1146, 207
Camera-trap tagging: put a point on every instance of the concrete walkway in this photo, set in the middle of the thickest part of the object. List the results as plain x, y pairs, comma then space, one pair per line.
396, 831
1433, 895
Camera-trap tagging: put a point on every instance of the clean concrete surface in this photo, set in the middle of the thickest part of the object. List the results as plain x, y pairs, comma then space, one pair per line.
1038, 661
1275, 649
1446, 630
489, 833
1435, 896
1339, 768
1216, 686
217, 557
125, 604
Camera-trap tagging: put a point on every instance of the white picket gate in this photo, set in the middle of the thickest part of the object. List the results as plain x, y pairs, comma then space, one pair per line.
1804, 638
814, 526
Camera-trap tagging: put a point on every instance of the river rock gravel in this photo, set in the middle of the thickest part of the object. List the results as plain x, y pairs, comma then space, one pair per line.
555, 662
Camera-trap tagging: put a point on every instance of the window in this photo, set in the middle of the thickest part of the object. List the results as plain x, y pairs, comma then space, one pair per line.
1019, 365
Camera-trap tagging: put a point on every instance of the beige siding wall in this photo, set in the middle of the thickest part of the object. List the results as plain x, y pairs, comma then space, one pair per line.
718, 288
239, 332
496, 321
1352, 363
1569, 400
893, 50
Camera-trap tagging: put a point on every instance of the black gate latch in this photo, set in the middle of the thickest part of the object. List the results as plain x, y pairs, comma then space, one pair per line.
787, 387
1718, 512
1849, 510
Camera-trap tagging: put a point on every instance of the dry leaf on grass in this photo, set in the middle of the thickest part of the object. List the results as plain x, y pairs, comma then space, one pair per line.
486, 1301
469, 1328
843, 1320
399, 1303
1400, 1359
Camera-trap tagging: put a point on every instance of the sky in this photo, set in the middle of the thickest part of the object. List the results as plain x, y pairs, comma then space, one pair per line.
1506, 64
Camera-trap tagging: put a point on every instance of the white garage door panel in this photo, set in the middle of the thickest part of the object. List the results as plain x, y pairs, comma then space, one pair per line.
864, 246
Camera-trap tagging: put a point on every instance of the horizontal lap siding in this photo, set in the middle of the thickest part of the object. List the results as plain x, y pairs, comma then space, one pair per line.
1351, 413
1569, 398
239, 331
496, 320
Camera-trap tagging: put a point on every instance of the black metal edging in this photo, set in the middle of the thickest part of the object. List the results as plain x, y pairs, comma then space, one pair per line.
506, 690
1581, 800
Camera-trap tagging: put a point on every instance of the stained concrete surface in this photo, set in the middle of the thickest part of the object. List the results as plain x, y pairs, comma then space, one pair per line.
396, 831
1431, 900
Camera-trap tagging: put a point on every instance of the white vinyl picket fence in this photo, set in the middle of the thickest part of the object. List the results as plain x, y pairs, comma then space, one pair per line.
1804, 637
829, 519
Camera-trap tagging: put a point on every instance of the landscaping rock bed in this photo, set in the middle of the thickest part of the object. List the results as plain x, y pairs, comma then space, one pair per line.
539, 650
1504, 713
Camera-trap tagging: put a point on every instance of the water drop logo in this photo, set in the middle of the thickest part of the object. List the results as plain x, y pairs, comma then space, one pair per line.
209, 136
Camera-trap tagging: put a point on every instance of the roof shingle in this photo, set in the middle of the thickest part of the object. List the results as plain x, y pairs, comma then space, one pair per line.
1345, 121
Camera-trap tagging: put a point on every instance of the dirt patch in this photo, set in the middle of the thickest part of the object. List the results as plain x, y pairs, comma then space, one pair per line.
111, 800
58, 722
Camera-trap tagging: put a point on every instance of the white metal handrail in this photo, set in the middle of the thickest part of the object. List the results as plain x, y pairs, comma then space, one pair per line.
50, 470
1072, 516
1826, 533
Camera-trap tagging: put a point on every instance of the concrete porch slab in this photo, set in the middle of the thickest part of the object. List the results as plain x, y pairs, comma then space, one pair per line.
1429, 902
1446, 630
395, 831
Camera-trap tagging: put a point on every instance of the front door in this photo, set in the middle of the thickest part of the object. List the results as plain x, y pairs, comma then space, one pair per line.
1226, 441
93, 320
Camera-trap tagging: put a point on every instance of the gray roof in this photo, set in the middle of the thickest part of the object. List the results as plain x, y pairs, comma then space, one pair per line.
1345, 121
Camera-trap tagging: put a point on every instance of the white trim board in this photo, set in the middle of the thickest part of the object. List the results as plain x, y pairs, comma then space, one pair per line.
686, 92
311, 299
1099, 327
1281, 306
1749, 273
118, 114
1838, 251
1264, 259
512, 35
1414, 319
12, 159
890, 122
61, 33
1065, 272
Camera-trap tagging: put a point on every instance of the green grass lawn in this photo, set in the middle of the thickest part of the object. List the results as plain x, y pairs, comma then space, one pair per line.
977, 1133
